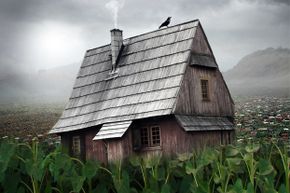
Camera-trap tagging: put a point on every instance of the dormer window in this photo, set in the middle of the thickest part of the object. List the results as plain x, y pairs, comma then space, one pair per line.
204, 89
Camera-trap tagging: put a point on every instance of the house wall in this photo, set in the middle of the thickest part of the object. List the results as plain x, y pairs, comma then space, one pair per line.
190, 100
120, 148
200, 44
174, 139
95, 150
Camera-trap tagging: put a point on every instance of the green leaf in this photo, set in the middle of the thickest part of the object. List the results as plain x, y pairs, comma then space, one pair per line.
189, 168
251, 148
231, 151
237, 187
216, 179
234, 161
135, 161
282, 189
77, 183
185, 184
6, 152
183, 157
165, 188
250, 188
90, 169
264, 167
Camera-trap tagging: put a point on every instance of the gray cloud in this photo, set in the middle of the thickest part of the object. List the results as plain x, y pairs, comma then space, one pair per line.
234, 27
286, 2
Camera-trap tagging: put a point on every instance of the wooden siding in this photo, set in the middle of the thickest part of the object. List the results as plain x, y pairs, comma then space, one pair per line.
121, 148
190, 100
200, 44
174, 140
95, 150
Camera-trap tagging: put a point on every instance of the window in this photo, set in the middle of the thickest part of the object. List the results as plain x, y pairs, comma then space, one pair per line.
145, 137
76, 146
150, 136
155, 134
204, 89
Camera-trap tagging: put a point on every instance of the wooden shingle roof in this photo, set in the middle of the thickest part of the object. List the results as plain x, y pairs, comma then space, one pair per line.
148, 78
197, 123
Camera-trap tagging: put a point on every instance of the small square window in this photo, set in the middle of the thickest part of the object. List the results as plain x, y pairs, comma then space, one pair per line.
150, 136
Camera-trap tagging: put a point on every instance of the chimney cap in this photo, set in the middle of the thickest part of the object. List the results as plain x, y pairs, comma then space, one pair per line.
115, 29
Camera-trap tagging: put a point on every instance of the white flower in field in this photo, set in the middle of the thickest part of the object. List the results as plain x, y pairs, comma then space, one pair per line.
16, 138
5, 137
240, 140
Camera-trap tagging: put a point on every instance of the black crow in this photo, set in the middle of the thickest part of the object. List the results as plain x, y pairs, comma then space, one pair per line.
165, 23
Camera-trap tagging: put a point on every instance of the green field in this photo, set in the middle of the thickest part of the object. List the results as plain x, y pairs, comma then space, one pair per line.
244, 168
31, 160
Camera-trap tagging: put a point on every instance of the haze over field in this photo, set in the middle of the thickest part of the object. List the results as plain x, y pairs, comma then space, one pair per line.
262, 73
43, 42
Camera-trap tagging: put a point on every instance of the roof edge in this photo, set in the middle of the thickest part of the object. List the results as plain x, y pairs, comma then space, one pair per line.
191, 21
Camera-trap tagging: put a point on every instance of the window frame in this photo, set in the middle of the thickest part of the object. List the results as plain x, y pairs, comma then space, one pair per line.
150, 137
76, 140
207, 98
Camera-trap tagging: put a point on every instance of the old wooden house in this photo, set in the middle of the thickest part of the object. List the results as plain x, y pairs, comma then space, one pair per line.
158, 92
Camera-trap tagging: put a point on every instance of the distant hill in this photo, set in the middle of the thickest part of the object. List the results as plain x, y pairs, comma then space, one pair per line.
262, 73
52, 85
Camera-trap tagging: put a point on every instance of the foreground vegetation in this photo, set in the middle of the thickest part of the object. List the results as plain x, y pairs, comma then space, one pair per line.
244, 168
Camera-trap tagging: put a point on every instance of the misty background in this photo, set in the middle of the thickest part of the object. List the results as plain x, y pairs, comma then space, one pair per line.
42, 43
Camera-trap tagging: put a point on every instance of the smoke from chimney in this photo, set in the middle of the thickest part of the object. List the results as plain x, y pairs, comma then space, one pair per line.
114, 6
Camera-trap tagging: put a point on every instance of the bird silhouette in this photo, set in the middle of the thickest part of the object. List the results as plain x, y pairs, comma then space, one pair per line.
165, 23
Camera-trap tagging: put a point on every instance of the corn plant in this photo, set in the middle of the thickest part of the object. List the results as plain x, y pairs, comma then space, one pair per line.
244, 168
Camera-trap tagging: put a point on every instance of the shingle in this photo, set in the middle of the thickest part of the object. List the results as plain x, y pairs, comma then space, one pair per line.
198, 123
113, 130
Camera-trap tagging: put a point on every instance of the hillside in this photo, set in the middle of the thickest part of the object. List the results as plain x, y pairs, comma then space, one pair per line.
262, 73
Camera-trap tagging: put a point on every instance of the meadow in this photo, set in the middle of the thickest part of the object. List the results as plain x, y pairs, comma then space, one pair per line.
258, 162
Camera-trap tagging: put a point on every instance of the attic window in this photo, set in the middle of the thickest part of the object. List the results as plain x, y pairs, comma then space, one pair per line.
204, 89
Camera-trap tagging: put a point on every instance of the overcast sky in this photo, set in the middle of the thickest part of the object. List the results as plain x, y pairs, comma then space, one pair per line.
41, 34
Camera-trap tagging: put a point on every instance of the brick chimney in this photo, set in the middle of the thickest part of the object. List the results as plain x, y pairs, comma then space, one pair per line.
116, 45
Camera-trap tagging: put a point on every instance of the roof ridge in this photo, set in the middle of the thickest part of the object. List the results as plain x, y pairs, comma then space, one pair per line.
183, 23
191, 21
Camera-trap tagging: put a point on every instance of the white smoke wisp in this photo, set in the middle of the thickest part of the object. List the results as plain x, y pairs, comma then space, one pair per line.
114, 6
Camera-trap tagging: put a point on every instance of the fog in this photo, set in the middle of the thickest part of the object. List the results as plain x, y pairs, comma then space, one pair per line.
37, 35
